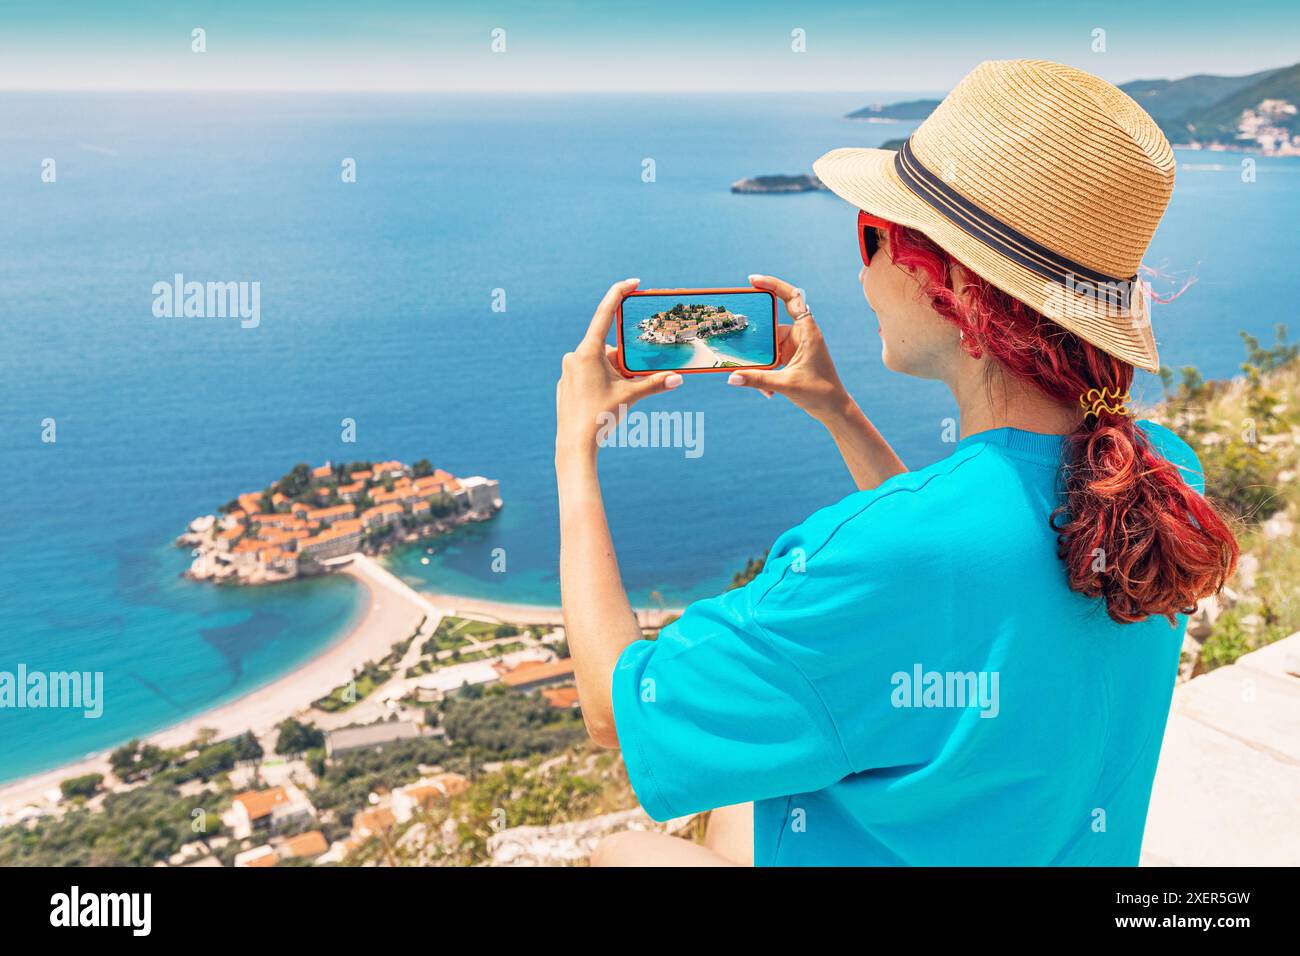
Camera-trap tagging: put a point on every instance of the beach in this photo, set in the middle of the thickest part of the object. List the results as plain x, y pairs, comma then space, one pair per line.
394, 609
392, 612
704, 355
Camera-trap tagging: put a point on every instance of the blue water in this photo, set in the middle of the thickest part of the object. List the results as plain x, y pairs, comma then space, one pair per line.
753, 345
377, 306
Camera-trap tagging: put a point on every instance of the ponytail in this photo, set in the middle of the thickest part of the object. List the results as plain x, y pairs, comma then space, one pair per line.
1131, 531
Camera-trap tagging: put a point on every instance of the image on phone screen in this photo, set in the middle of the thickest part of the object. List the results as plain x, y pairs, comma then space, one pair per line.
694, 330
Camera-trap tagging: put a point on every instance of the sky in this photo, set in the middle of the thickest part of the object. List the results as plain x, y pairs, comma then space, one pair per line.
662, 46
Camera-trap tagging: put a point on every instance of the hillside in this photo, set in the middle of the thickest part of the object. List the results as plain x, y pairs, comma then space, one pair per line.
906, 110
1168, 100
1221, 122
1246, 432
1257, 111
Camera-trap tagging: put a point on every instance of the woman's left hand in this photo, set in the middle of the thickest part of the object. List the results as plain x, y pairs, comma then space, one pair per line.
591, 387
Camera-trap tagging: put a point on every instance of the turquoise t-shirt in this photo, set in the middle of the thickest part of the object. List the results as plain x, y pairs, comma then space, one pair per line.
910, 681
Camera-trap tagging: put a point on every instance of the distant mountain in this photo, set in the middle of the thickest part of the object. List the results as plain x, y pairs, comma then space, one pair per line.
1172, 99
1257, 111
909, 110
1227, 120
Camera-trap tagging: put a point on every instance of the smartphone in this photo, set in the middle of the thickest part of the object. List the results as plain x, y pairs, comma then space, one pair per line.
696, 330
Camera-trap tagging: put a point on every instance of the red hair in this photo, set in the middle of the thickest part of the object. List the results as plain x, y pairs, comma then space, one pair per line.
1130, 531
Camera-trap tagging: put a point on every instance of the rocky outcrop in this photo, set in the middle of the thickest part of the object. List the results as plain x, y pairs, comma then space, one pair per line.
566, 844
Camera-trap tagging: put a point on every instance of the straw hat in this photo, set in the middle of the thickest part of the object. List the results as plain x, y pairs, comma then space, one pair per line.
1044, 180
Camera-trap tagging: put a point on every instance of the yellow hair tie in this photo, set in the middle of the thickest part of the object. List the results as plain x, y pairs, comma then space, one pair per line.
1097, 400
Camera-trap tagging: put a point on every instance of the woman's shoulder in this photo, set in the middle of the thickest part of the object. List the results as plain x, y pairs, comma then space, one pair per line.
901, 510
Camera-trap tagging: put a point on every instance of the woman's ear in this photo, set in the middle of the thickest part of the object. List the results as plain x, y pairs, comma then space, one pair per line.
961, 280
961, 288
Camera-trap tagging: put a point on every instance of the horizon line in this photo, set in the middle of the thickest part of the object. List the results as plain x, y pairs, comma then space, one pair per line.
527, 91
416, 90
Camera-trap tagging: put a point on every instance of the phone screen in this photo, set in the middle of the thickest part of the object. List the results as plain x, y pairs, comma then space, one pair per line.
698, 330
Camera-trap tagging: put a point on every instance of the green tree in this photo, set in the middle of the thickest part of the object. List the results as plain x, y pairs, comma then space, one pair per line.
296, 737
84, 786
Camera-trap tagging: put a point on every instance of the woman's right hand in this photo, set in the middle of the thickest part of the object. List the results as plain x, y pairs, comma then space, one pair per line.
808, 378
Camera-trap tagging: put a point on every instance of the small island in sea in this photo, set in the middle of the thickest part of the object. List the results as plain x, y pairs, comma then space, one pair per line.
778, 183
295, 527
687, 323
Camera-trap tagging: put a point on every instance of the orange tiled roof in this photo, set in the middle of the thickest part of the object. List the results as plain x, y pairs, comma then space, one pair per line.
561, 698
530, 671
259, 803
319, 514
340, 529
443, 785
311, 843
372, 821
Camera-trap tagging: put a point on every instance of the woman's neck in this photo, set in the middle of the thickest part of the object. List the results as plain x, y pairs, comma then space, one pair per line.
988, 398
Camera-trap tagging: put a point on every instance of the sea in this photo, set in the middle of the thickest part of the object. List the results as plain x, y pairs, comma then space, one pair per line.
419, 264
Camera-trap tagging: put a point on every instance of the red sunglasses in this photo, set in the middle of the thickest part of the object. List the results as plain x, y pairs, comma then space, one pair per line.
868, 240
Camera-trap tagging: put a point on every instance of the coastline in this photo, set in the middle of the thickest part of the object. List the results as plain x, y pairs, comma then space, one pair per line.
706, 356
391, 611
388, 617
458, 605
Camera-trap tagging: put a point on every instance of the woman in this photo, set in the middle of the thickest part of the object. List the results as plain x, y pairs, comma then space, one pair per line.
966, 664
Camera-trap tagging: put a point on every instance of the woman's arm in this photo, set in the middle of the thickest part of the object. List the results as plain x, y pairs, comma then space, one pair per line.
869, 457
809, 379
598, 620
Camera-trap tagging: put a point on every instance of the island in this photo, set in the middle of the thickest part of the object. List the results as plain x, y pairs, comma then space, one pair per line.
778, 183
688, 323
895, 112
299, 524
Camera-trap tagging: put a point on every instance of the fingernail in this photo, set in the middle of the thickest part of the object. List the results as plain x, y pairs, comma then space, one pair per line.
672, 381
735, 378
754, 276
766, 393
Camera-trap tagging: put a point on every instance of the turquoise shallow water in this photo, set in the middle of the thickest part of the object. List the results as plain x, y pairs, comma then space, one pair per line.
377, 306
